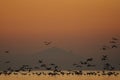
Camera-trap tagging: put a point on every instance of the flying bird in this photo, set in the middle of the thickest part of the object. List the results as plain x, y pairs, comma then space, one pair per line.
36, 67
90, 59
47, 42
40, 61
105, 48
75, 64
89, 65
7, 62
43, 65
114, 46
83, 63
48, 68
52, 64
78, 66
112, 42
113, 38
104, 58
6, 51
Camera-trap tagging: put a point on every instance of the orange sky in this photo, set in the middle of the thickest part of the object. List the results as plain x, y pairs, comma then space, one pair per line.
71, 24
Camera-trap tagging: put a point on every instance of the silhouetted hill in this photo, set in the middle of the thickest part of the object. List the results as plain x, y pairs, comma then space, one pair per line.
59, 56
54, 55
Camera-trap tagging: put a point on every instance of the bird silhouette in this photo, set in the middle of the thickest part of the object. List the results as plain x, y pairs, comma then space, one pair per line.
90, 65
75, 64
48, 68
6, 51
104, 58
7, 62
43, 65
114, 42
105, 48
56, 67
83, 63
52, 64
108, 66
114, 46
36, 67
78, 66
40, 61
47, 42
89, 59
113, 38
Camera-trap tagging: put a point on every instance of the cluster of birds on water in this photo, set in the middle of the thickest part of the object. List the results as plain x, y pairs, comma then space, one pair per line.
53, 69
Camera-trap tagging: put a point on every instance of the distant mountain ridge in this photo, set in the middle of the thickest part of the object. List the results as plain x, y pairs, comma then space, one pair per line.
59, 56
54, 55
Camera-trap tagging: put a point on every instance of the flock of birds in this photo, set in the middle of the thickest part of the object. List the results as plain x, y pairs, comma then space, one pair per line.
54, 70
114, 43
108, 69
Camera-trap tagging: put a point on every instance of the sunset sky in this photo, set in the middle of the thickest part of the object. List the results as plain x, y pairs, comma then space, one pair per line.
81, 26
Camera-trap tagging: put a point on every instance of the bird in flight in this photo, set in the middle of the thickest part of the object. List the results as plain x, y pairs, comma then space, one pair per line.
113, 38
47, 42
112, 42
7, 62
104, 57
89, 59
89, 65
105, 48
6, 51
40, 61
114, 46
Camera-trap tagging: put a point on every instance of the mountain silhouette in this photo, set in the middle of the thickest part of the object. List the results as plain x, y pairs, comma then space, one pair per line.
55, 55
59, 56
